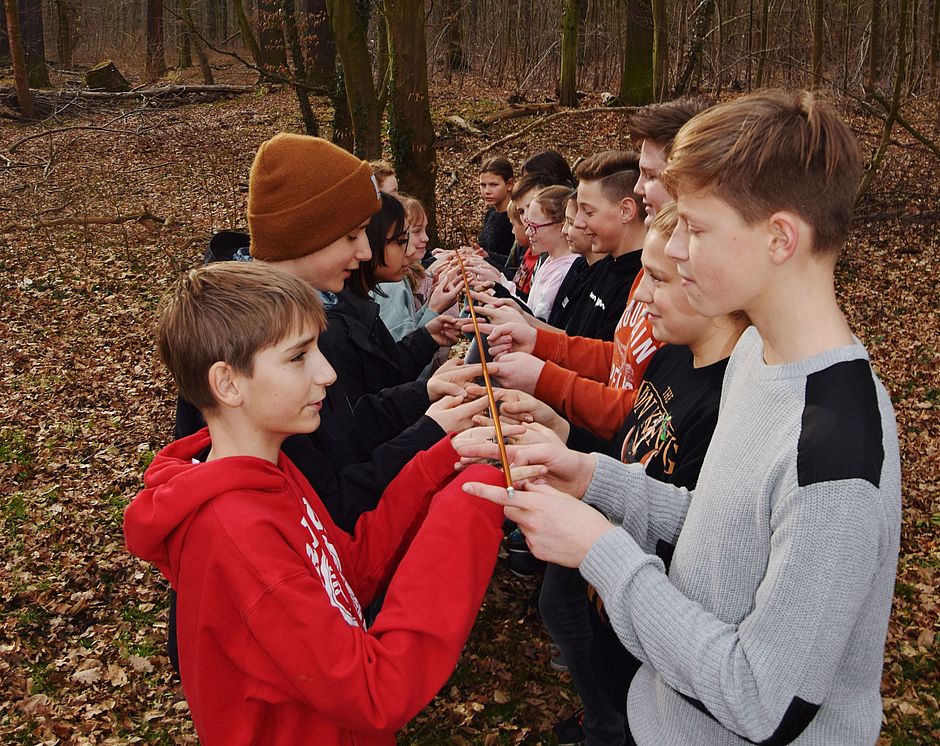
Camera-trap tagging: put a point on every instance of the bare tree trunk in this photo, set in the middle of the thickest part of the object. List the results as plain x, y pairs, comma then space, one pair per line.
568, 84
934, 55
248, 36
65, 40
700, 26
410, 130
33, 41
4, 38
20, 78
819, 32
637, 80
204, 69
343, 133
874, 46
892, 115
660, 50
762, 43
350, 23
311, 126
156, 60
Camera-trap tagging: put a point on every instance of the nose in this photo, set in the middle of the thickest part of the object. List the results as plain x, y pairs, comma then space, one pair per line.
640, 186
363, 250
644, 291
677, 247
327, 376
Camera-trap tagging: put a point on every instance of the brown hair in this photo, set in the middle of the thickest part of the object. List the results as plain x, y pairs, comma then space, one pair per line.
773, 150
552, 201
616, 170
513, 213
660, 123
228, 312
527, 182
499, 166
381, 170
388, 222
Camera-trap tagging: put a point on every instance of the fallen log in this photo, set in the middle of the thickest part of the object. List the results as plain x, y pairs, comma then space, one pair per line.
145, 216
518, 110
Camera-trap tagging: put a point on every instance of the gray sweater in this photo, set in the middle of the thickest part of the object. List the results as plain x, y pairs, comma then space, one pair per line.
770, 626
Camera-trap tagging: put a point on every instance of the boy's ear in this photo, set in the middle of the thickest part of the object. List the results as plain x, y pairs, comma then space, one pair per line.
628, 209
786, 231
510, 183
223, 383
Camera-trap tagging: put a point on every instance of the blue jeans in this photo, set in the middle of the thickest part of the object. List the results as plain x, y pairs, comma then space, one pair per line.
565, 611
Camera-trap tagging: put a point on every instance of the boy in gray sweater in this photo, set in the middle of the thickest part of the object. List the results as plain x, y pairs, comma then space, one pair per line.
770, 625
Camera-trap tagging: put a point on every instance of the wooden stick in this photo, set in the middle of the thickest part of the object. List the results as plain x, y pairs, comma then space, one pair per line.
503, 456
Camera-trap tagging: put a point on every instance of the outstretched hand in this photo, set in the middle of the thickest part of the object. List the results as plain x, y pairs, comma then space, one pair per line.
521, 407
558, 527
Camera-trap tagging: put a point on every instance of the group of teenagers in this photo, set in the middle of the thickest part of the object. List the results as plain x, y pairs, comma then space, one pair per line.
699, 448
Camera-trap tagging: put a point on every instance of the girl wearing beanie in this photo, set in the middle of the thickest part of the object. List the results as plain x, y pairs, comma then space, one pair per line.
357, 342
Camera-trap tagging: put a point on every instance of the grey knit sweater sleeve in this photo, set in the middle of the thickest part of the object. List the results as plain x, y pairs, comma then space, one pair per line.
770, 626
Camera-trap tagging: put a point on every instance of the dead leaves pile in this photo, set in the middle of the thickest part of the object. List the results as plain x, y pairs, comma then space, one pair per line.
84, 405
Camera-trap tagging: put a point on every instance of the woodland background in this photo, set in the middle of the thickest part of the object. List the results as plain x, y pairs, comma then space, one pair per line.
106, 196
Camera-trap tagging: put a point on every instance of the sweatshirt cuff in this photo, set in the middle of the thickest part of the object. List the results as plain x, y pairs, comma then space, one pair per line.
439, 460
612, 485
547, 344
612, 561
487, 475
551, 383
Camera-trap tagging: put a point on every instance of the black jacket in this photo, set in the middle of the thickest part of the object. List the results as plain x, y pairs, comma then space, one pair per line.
366, 357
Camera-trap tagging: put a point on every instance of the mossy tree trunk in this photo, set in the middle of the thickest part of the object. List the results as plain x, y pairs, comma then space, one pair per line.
410, 129
20, 78
34, 44
248, 36
637, 77
350, 22
320, 45
568, 83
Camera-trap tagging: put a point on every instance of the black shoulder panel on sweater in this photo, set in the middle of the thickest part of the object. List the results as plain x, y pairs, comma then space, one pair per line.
795, 720
841, 436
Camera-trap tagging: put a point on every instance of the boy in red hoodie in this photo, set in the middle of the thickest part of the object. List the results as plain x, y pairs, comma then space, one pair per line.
273, 646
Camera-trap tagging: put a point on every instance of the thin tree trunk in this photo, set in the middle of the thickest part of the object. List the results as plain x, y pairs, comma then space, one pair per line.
411, 132
65, 41
33, 41
204, 68
819, 32
311, 126
762, 43
248, 36
637, 80
660, 49
874, 46
568, 85
156, 59
697, 36
350, 26
343, 133
20, 78
899, 76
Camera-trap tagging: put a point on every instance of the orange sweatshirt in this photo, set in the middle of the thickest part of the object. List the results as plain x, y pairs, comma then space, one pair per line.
590, 381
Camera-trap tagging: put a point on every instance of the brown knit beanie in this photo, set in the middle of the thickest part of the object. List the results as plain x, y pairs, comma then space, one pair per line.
303, 194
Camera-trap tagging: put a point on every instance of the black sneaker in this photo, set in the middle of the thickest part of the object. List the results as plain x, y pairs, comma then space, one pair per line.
524, 564
570, 731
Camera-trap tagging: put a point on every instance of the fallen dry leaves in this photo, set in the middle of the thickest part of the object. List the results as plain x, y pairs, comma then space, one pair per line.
85, 405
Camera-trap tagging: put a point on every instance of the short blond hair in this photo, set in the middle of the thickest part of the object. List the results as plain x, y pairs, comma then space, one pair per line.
773, 150
666, 220
228, 312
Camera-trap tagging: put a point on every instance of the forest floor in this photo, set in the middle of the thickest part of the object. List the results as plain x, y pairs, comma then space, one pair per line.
84, 405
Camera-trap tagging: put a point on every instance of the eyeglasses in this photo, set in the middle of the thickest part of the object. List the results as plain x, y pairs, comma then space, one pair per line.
534, 227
